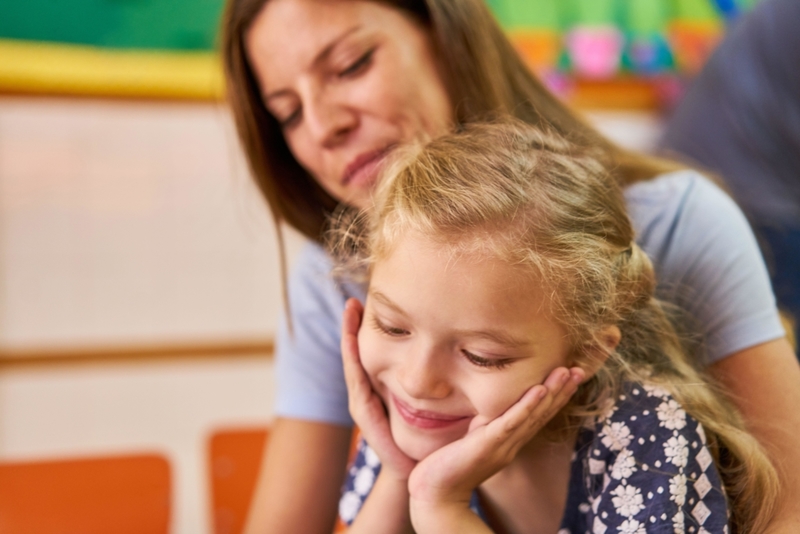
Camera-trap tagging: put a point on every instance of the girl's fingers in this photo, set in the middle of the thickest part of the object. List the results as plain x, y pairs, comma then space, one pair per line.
536, 407
568, 381
357, 382
352, 317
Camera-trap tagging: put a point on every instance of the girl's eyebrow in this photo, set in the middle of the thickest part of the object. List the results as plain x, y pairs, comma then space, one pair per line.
319, 58
498, 336
386, 301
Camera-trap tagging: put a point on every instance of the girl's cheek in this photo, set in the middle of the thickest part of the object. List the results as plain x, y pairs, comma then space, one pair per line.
499, 397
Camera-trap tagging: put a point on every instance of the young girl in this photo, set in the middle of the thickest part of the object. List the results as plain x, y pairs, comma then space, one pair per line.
501, 264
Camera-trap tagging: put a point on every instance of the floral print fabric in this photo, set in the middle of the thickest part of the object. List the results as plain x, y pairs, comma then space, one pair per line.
642, 467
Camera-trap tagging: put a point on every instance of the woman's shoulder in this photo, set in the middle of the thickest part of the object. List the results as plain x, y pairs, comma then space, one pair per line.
312, 260
707, 260
312, 278
658, 204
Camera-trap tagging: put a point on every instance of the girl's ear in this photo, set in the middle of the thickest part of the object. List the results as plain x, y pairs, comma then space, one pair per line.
596, 357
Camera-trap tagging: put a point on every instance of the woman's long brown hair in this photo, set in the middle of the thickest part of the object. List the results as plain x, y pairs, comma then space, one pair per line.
484, 75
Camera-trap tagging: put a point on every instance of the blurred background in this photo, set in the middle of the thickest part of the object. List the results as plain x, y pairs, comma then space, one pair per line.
139, 276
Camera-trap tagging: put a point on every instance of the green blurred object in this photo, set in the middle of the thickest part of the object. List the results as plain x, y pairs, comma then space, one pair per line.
498, 7
646, 16
696, 10
593, 12
532, 14
126, 24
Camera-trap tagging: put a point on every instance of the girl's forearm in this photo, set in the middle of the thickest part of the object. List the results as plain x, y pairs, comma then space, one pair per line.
386, 509
446, 518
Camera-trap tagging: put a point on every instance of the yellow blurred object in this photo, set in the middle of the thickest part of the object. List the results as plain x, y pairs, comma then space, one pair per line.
43, 68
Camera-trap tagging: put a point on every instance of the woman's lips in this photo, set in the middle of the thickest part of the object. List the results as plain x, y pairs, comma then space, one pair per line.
363, 170
425, 419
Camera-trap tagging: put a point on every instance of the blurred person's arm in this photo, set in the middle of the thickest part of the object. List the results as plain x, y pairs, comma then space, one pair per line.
764, 383
301, 476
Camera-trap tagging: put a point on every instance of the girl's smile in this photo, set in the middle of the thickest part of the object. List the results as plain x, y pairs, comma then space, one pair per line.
426, 419
450, 341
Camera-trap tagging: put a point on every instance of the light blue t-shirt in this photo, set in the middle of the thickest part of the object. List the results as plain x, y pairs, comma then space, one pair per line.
706, 259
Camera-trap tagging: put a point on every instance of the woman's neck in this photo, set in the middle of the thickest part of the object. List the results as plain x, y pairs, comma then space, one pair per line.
529, 496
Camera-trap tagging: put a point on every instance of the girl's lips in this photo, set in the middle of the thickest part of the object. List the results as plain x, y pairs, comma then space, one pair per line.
425, 419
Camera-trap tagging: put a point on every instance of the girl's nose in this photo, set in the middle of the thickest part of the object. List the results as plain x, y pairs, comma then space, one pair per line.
423, 376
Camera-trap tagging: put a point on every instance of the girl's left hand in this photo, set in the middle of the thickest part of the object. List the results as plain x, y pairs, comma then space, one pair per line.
449, 475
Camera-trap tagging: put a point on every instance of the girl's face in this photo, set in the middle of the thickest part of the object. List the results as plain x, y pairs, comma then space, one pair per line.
451, 342
348, 81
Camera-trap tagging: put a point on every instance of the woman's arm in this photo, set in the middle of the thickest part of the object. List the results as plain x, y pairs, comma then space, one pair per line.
300, 479
764, 383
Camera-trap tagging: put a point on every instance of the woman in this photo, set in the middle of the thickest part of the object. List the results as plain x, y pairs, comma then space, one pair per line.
322, 90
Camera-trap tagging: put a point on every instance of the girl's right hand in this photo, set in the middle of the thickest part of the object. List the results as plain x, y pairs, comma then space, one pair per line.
366, 406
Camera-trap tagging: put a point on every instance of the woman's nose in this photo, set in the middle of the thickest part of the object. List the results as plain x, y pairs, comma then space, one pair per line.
422, 376
328, 120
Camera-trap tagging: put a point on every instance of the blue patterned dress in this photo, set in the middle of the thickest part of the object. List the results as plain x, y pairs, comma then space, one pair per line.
642, 467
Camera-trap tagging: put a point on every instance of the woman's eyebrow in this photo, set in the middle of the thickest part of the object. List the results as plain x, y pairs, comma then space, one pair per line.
319, 58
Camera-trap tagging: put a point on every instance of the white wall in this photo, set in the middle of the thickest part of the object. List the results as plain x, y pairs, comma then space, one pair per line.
129, 223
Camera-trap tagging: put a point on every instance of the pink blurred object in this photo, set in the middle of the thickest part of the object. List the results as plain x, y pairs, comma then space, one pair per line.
595, 51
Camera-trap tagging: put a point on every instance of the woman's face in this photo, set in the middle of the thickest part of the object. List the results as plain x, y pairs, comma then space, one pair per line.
348, 80
451, 342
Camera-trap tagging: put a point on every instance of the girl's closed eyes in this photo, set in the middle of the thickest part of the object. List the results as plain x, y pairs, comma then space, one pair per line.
480, 361
392, 331
493, 362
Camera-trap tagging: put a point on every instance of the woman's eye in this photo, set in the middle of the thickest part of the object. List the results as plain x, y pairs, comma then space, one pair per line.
358, 65
480, 361
290, 119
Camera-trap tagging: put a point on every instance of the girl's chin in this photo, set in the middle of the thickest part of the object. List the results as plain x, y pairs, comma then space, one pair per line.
418, 449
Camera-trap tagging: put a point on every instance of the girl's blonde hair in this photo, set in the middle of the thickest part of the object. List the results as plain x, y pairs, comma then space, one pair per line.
553, 208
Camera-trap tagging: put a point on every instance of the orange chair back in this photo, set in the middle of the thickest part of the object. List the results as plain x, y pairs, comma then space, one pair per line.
124, 495
234, 463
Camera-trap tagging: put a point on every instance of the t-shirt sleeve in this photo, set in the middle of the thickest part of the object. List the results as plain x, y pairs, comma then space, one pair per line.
309, 374
707, 260
651, 471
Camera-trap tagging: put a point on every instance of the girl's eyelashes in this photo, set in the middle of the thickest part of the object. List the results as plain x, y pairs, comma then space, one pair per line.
480, 361
358, 65
388, 330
